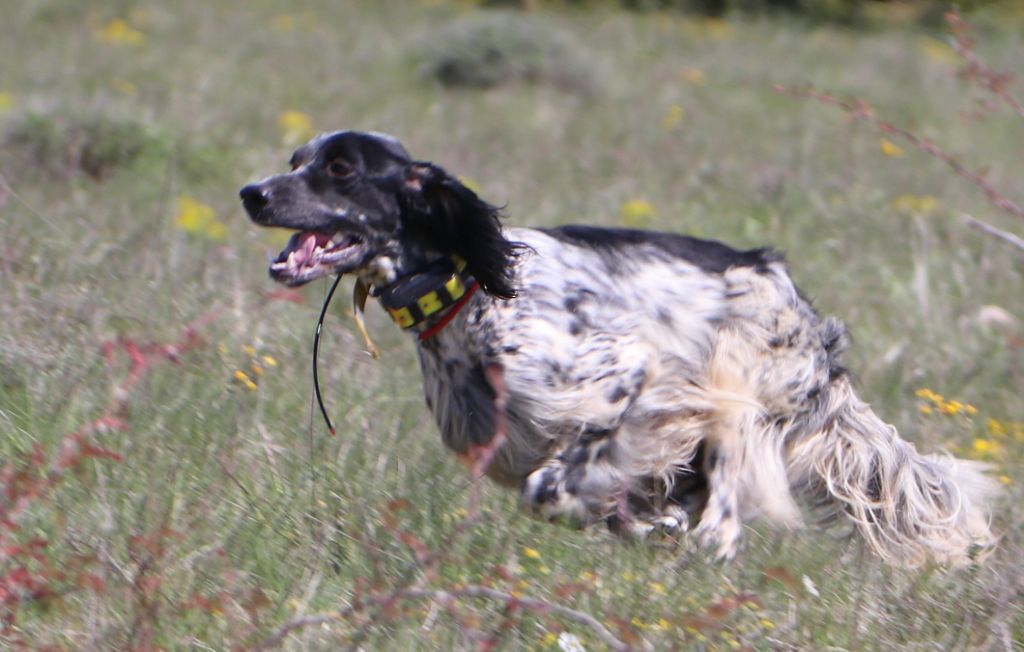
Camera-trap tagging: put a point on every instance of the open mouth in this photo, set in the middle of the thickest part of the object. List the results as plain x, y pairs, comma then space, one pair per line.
312, 254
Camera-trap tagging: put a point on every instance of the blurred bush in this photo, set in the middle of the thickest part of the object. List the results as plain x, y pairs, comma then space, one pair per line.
497, 47
63, 144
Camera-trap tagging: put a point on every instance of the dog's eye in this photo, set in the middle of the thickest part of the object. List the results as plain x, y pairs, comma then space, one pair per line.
339, 168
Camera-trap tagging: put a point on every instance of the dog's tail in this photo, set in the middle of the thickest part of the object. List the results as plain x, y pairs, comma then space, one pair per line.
910, 508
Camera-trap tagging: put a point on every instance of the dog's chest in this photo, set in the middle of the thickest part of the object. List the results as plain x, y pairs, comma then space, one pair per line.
460, 396
455, 386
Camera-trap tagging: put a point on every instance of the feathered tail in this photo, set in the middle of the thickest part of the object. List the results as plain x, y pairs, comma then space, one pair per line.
910, 508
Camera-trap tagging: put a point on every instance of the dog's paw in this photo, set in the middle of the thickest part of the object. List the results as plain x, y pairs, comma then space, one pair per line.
545, 495
724, 538
541, 487
672, 522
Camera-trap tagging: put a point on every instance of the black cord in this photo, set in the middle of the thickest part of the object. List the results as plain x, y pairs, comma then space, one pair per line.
316, 350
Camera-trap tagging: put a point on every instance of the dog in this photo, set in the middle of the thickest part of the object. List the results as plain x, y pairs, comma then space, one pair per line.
649, 381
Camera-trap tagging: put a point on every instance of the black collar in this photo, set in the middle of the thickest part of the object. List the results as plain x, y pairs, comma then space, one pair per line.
413, 299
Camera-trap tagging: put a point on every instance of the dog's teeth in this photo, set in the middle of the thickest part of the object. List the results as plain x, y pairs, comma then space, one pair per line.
292, 260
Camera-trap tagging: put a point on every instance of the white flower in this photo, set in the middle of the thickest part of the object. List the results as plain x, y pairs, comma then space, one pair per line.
809, 585
570, 643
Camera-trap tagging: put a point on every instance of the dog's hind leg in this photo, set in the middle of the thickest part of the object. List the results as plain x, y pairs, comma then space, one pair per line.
744, 461
720, 524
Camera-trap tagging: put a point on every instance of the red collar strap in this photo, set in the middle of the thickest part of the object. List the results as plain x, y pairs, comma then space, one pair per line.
444, 321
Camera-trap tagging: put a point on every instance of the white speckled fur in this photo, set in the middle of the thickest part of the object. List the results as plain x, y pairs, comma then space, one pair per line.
617, 378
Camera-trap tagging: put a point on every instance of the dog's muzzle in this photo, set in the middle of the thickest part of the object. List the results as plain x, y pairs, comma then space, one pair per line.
254, 199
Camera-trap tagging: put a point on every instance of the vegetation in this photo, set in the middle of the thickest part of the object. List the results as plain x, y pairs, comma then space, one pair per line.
165, 482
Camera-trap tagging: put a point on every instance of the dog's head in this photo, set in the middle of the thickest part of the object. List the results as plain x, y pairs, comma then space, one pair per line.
360, 204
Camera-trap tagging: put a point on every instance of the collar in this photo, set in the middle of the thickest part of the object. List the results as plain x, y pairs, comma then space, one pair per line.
413, 299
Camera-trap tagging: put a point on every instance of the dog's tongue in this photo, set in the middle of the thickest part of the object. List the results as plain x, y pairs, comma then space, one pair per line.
306, 247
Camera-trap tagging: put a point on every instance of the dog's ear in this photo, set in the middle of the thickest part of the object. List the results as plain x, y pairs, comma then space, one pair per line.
459, 222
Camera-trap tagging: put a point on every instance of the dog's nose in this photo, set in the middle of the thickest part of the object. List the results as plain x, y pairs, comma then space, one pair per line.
254, 199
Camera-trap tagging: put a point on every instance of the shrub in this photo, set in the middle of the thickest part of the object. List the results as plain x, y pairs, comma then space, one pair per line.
494, 48
64, 144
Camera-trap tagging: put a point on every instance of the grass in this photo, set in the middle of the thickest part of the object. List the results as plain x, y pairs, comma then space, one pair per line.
232, 511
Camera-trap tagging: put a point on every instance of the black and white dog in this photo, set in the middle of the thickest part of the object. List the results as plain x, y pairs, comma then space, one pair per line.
647, 380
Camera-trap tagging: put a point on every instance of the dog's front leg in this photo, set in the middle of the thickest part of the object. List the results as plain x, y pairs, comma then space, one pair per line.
580, 484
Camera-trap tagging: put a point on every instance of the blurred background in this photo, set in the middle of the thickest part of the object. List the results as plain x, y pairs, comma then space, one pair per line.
166, 484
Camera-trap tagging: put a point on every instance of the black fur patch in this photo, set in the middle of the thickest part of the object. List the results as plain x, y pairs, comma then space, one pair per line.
709, 255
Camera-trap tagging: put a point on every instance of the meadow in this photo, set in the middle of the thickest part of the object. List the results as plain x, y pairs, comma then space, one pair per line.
167, 483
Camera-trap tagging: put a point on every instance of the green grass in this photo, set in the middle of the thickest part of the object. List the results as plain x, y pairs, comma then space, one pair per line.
249, 514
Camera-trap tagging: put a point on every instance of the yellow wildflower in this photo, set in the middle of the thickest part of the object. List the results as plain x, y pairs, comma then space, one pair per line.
639, 624
249, 349
549, 639
628, 576
995, 428
283, 22
217, 231
192, 214
198, 218
124, 87
119, 32
532, 553
270, 361
663, 624
914, 204
296, 127
257, 369
693, 75
890, 148
637, 213
6, 102
767, 624
1005, 479
926, 393
718, 29
985, 446
673, 117
244, 378
658, 588
925, 409
952, 408
936, 50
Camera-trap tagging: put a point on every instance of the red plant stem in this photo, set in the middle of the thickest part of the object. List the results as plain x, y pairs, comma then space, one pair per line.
861, 111
995, 82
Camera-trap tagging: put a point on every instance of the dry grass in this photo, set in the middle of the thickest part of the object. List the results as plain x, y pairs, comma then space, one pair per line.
231, 513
